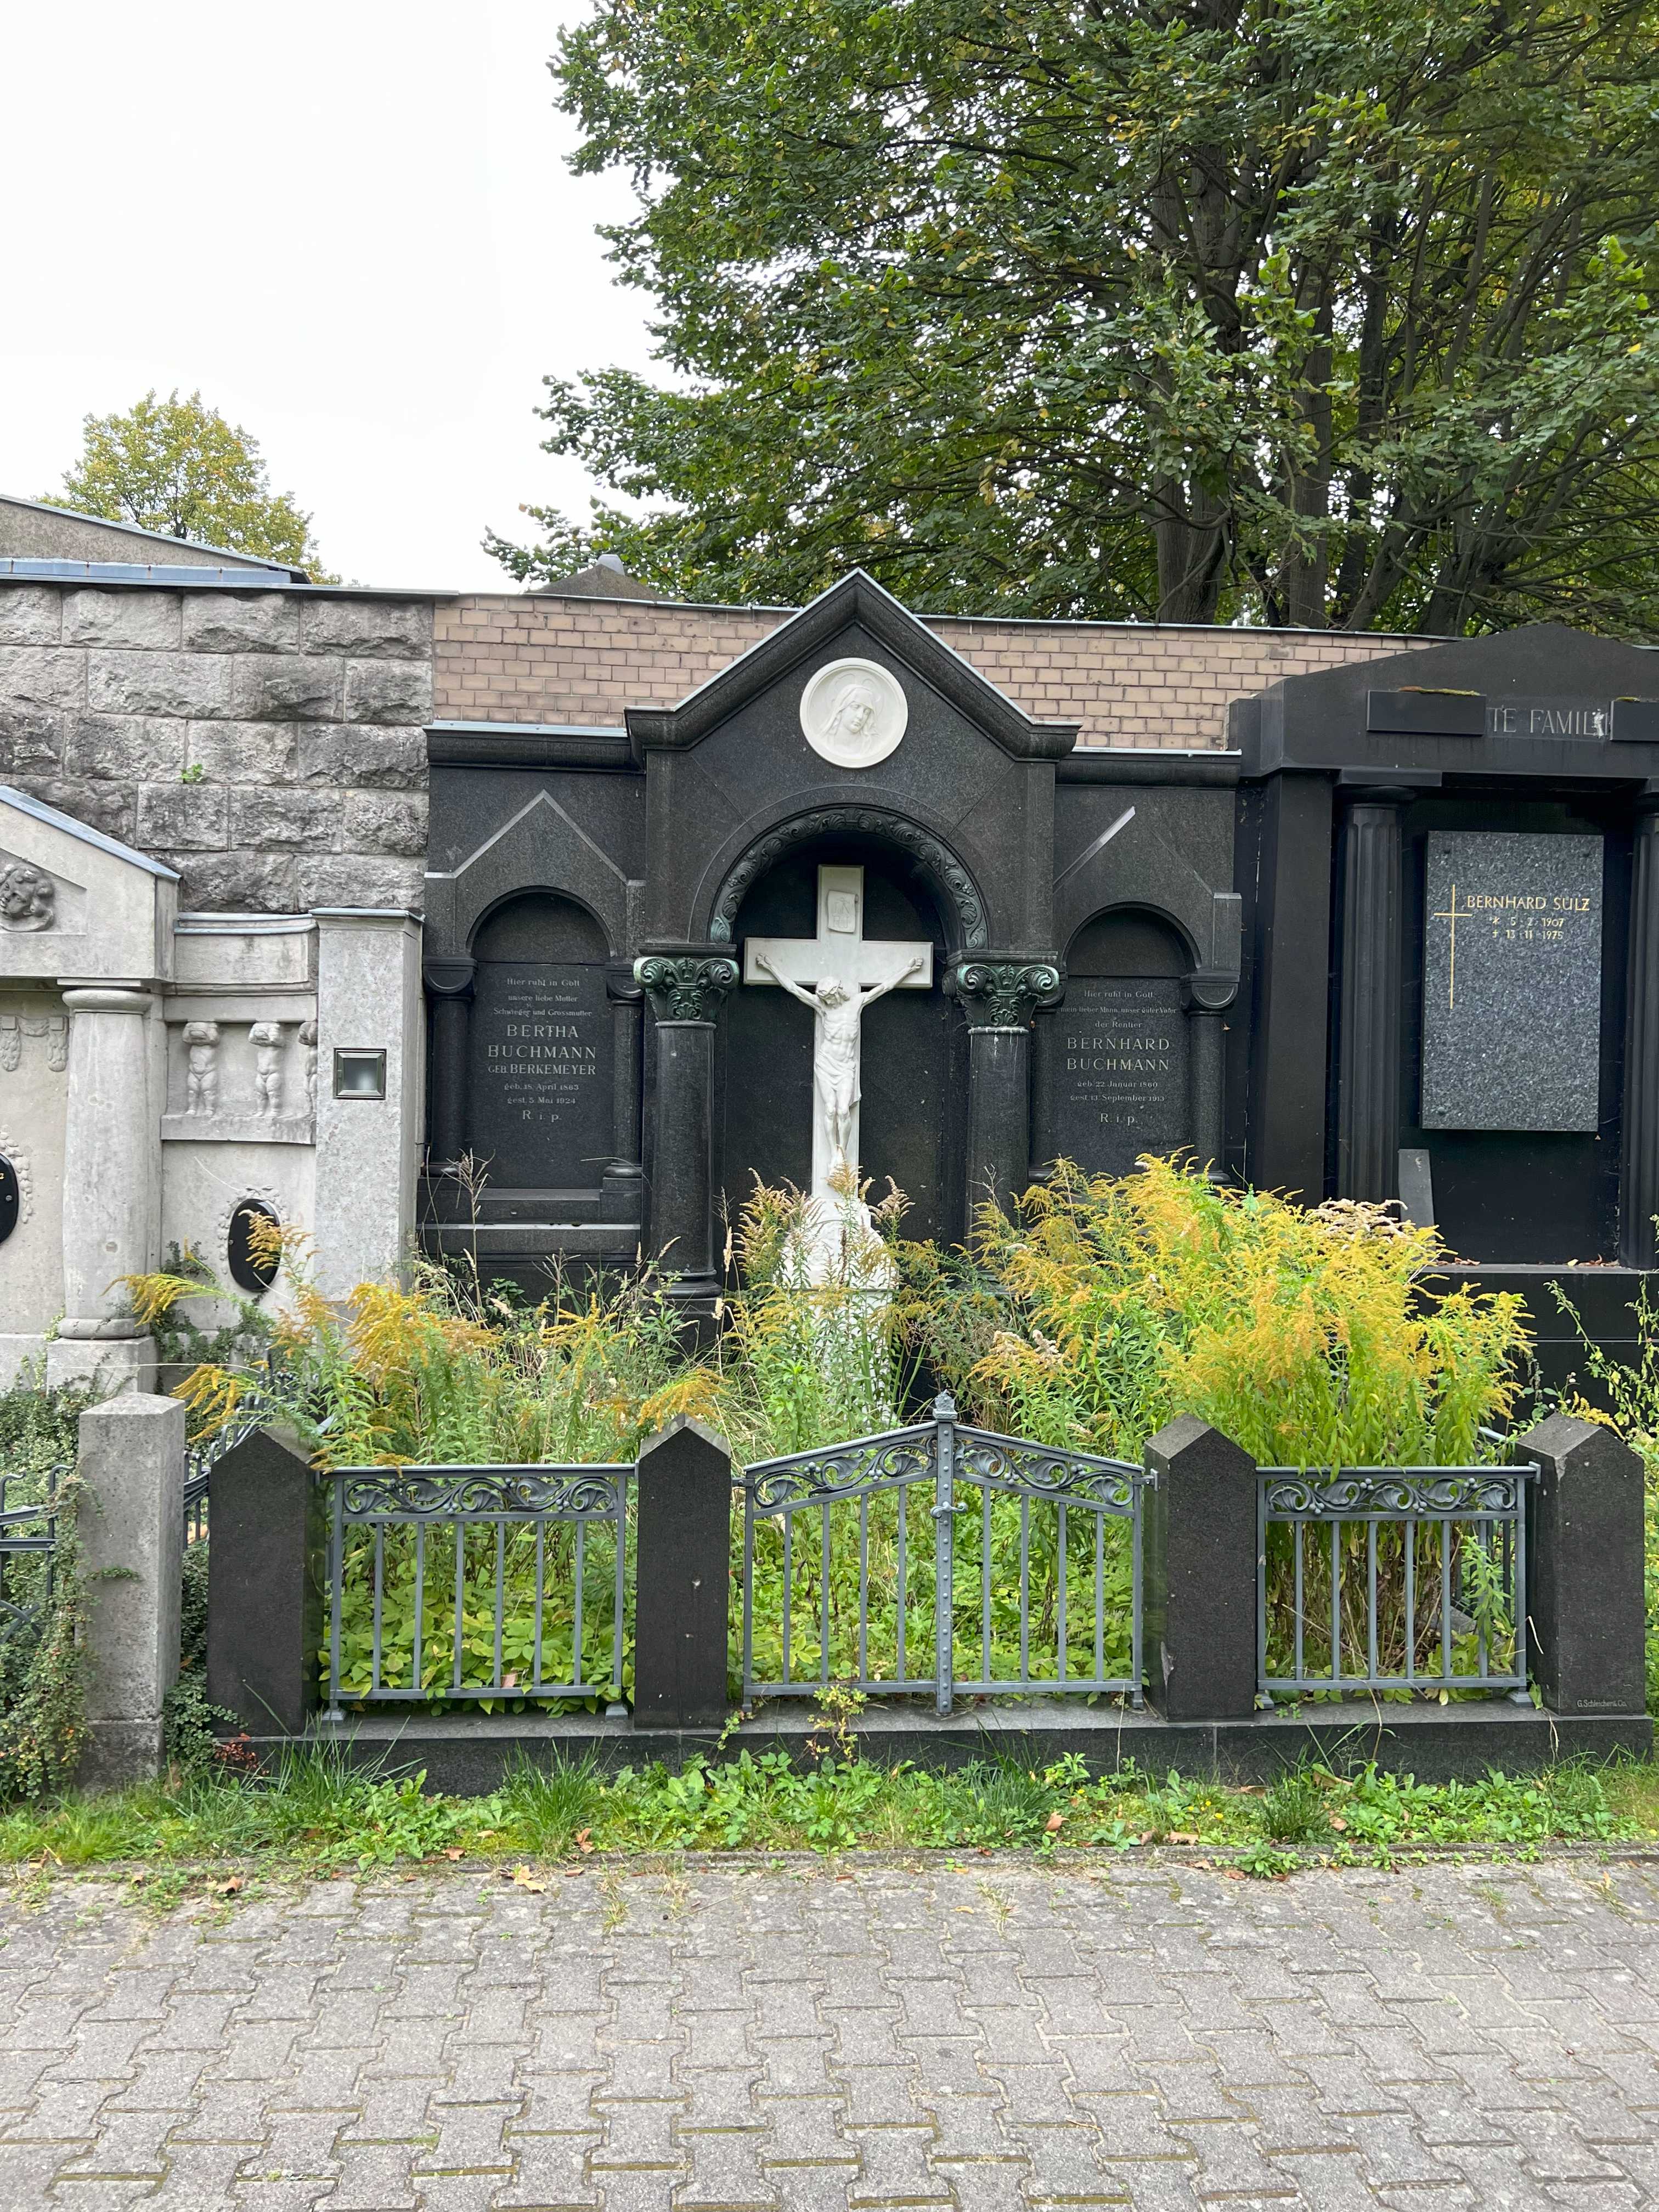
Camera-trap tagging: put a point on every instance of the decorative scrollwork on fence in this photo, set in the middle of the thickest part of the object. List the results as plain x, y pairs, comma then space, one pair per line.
1407, 1493
1037, 1471
814, 1478
453, 1493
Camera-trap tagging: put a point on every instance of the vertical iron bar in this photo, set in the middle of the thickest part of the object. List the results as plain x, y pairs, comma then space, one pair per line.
578, 1668
420, 1605
1059, 1510
1136, 1691
619, 1494
747, 1594
1336, 1600
336, 1595
1100, 1585
460, 1568
1025, 1589
1301, 1669
379, 1585
1411, 1601
1484, 1533
501, 1589
788, 1584
1521, 1661
1445, 1598
903, 1518
1261, 1581
945, 1499
824, 1611
1370, 1594
985, 1582
536, 1628
863, 1587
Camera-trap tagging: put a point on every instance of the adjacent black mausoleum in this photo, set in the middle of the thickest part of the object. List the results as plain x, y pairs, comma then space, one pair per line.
1401, 940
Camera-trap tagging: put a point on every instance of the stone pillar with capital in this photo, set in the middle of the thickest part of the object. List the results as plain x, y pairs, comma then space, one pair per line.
1206, 994
112, 1187
998, 995
1368, 1016
449, 980
1639, 1242
686, 986
621, 1195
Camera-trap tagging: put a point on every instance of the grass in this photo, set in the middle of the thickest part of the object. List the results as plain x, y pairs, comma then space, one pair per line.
317, 1813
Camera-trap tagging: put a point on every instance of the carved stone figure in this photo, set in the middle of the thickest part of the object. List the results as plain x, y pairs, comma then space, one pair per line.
201, 1068
308, 1063
839, 1011
27, 897
266, 1038
58, 1043
854, 713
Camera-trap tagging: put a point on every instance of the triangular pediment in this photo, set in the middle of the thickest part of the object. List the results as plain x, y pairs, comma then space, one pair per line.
856, 602
75, 904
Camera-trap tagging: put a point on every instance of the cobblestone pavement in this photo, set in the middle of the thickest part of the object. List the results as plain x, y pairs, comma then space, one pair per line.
996, 2036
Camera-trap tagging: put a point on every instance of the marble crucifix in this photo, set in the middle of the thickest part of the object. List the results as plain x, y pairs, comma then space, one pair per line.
837, 974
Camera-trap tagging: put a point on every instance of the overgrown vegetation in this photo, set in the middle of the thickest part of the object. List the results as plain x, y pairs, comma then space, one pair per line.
317, 1811
42, 1597
1091, 1318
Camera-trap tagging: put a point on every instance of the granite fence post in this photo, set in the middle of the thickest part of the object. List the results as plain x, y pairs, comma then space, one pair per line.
129, 1516
1586, 1623
268, 1528
682, 1577
1199, 1574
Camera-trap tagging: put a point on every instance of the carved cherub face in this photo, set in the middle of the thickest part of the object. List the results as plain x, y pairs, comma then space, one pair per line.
26, 897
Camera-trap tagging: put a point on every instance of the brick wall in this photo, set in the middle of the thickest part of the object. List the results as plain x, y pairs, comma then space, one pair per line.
270, 745
502, 659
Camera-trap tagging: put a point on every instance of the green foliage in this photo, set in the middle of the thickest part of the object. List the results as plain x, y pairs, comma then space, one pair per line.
1322, 312
177, 466
42, 1665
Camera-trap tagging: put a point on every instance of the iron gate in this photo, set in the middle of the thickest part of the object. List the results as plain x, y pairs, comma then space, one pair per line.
944, 1535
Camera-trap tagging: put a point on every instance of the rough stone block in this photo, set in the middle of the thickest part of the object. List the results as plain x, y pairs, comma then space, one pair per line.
122, 683
378, 822
131, 1521
237, 881
368, 630
126, 748
294, 820
30, 614
50, 677
241, 621
126, 617
351, 880
185, 816
106, 807
29, 739
387, 759
281, 687
387, 691
243, 753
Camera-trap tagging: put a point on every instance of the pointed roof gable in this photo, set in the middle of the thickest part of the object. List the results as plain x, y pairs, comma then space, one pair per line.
857, 598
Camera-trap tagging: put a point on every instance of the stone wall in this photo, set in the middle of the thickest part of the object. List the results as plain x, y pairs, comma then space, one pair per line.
535, 657
268, 744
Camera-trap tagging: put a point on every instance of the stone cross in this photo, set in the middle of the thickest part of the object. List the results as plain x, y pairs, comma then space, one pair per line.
864, 968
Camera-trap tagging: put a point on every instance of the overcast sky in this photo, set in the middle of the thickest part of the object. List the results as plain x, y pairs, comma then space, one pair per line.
348, 222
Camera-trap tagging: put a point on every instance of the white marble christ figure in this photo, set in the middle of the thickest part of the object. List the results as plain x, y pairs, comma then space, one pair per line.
838, 1017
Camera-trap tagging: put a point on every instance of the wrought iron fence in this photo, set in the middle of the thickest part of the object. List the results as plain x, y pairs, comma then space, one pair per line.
883, 1588
1391, 1579
200, 1459
28, 1530
477, 1583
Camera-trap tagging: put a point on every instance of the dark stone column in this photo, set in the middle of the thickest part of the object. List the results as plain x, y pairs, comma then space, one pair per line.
449, 982
1207, 993
622, 1196
1585, 1616
265, 1609
1368, 1014
685, 990
683, 1575
1200, 1532
1638, 1246
998, 997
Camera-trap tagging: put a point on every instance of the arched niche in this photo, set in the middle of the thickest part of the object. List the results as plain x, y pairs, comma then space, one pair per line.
1115, 1059
910, 1083
539, 1095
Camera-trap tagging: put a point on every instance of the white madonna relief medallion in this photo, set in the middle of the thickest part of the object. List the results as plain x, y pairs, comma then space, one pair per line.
854, 713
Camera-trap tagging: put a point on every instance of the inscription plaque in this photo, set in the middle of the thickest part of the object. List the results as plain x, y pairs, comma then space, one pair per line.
1120, 1081
1511, 981
541, 1092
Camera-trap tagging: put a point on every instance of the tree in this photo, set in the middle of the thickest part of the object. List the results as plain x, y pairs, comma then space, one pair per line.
1323, 312
176, 465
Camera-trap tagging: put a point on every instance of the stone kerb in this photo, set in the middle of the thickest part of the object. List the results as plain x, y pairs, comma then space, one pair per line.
130, 1515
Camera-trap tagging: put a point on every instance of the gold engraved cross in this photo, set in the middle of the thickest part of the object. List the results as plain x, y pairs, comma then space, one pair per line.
1452, 915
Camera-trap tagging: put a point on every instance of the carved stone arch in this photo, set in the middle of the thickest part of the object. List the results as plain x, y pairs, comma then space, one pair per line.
583, 907
1131, 911
961, 893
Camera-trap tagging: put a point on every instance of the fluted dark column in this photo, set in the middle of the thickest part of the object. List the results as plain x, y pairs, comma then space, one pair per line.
1207, 994
1638, 1243
1367, 1017
449, 982
686, 990
622, 1196
998, 997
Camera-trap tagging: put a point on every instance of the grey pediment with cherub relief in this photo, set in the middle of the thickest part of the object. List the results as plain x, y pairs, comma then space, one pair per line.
36, 902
